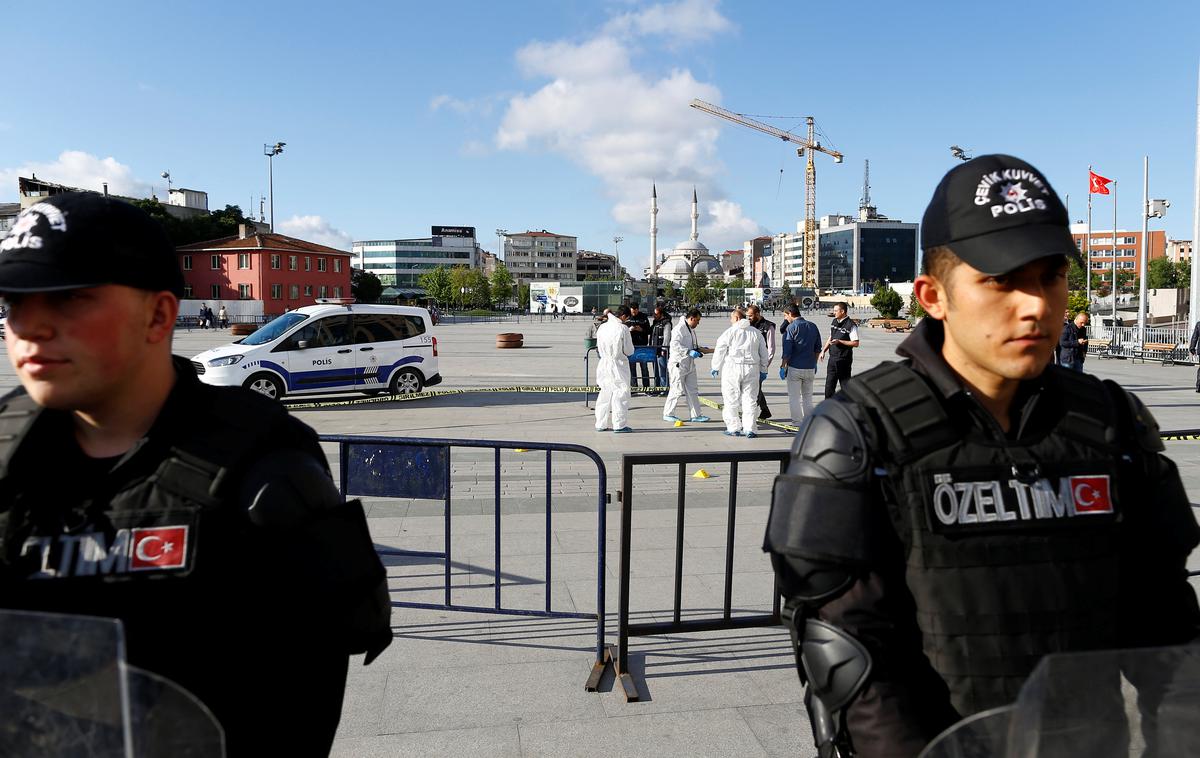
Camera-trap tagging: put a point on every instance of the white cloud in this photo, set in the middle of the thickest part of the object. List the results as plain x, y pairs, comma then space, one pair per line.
449, 102
630, 128
316, 229
686, 20
75, 168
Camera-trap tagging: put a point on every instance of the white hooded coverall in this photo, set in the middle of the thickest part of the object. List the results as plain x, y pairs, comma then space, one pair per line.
740, 356
681, 370
615, 345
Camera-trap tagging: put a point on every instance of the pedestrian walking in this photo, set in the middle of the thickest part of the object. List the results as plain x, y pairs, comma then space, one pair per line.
615, 346
681, 369
223, 317
639, 330
1073, 342
948, 520
843, 338
1058, 345
203, 518
767, 329
741, 353
801, 346
660, 339
1194, 349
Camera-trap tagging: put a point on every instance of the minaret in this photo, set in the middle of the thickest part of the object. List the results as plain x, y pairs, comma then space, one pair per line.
653, 231
695, 215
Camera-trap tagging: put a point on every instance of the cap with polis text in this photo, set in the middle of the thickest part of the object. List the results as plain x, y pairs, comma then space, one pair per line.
82, 239
997, 213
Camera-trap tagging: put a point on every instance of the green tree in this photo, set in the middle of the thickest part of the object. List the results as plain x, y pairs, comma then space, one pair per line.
915, 309
785, 294
669, 290
1183, 274
696, 288
479, 291
502, 284
460, 280
436, 283
738, 283
523, 296
199, 228
1125, 280
365, 286
1075, 275
1077, 301
887, 301
1161, 274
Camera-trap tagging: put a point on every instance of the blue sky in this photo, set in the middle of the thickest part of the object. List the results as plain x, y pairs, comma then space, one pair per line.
558, 115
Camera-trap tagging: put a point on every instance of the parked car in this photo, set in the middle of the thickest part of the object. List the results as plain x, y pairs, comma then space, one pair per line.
330, 348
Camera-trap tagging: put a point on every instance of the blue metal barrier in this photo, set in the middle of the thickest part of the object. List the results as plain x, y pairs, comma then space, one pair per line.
418, 467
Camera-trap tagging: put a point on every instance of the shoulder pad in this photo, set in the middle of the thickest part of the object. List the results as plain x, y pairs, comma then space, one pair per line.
1143, 425
830, 444
17, 414
288, 488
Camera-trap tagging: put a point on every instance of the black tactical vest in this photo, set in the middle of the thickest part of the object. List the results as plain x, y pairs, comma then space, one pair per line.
1011, 548
147, 532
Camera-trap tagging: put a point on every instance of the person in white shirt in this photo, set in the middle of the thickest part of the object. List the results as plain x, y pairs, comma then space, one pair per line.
741, 353
681, 369
615, 345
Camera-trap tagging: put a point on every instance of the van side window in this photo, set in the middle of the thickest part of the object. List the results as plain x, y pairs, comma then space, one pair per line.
326, 332
385, 327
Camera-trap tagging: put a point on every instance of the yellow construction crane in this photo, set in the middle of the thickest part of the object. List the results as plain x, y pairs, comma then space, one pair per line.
810, 174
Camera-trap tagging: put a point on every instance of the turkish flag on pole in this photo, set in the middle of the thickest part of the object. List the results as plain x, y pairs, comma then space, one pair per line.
1097, 185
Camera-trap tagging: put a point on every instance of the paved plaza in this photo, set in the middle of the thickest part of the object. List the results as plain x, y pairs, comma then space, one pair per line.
460, 684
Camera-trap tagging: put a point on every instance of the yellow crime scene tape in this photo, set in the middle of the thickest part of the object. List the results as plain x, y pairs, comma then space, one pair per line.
1182, 436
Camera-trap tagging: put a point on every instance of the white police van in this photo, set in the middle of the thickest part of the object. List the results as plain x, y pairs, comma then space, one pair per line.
334, 346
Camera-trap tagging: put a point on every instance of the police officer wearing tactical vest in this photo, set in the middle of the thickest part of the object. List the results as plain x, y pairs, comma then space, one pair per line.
204, 518
948, 520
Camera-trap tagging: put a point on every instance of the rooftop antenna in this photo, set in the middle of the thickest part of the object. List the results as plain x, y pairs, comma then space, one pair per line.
866, 211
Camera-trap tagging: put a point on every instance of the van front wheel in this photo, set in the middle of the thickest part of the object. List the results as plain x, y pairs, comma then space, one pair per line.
265, 384
406, 382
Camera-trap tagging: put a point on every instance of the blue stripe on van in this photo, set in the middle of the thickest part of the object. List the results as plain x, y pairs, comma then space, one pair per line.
332, 378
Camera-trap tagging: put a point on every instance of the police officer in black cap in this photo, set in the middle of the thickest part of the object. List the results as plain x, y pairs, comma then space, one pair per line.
949, 519
204, 518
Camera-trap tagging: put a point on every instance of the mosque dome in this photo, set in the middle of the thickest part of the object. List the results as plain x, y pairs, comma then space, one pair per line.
675, 266
707, 265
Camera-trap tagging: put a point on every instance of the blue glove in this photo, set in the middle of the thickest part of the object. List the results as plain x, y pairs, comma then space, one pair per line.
713, 373
694, 354
762, 376
783, 372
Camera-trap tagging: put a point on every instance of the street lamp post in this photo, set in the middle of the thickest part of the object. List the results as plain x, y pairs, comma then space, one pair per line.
1150, 209
167, 175
271, 151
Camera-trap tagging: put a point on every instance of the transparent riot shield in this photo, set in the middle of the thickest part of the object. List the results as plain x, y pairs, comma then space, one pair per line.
1106, 704
66, 690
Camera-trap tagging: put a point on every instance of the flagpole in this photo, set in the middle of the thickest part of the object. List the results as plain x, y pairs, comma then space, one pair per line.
1087, 273
1114, 257
1145, 247
1194, 295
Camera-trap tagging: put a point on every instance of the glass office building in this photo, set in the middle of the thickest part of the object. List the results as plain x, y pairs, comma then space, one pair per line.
400, 263
854, 255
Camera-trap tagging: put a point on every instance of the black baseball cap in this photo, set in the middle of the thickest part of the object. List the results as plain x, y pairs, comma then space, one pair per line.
82, 239
997, 213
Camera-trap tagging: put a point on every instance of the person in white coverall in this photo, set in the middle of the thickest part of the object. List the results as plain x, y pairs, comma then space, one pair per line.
615, 345
681, 369
741, 359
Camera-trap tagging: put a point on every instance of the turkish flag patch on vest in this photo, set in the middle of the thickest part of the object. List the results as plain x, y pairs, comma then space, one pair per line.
1090, 494
162, 547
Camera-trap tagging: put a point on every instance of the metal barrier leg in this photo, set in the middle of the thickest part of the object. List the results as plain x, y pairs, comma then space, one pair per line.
497, 528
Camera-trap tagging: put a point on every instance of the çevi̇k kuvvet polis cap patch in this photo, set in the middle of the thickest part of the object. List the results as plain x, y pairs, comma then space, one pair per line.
997, 213
82, 239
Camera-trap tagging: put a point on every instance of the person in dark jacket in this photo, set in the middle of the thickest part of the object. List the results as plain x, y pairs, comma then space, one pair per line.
948, 520
660, 338
203, 518
767, 328
1073, 342
843, 338
639, 330
1194, 349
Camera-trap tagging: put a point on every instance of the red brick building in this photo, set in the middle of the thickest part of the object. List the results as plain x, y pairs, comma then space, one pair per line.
283, 272
1129, 249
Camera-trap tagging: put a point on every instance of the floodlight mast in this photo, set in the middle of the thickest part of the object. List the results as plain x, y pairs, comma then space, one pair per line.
810, 174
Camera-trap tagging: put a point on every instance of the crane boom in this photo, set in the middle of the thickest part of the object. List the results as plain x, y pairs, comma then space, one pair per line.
810, 174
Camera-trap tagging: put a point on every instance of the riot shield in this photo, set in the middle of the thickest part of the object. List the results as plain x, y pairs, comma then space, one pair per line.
1105, 704
66, 690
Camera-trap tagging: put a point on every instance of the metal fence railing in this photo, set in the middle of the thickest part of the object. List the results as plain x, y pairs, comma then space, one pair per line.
625, 628
415, 467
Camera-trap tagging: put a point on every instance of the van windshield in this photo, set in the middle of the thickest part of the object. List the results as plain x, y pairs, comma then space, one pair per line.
271, 331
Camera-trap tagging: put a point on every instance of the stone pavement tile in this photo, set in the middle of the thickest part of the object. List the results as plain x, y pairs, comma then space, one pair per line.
569, 567
492, 742
458, 507
706, 733
471, 546
488, 695
697, 560
388, 526
752, 592
660, 512
782, 730
468, 639
681, 673
362, 705
584, 540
